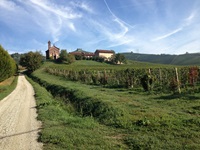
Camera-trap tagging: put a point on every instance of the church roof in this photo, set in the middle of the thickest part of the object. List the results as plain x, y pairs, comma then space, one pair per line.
53, 47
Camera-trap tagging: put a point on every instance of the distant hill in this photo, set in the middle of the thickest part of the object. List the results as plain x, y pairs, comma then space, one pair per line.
184, 59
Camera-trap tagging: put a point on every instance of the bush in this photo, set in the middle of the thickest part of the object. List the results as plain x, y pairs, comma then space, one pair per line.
7, 65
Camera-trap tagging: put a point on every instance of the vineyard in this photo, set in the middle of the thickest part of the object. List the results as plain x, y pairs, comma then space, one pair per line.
136, 104
182, 79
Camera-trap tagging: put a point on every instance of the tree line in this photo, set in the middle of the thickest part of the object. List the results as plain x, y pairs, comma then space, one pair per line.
68, 58
115, 59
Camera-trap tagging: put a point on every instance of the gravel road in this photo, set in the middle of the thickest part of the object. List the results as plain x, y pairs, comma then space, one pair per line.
18, 124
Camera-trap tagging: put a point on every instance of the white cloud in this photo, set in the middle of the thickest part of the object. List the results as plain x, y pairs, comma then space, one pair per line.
192, 45
61, 11
161, 26
52, 18
167, 35
190, 19
115, 32
83, 6
8, 5
112, 38
116, 18
72, 27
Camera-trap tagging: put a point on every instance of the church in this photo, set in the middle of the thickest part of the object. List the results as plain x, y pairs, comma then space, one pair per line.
52, 52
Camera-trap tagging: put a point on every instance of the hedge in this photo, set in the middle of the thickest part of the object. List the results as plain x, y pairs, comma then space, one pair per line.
7, 65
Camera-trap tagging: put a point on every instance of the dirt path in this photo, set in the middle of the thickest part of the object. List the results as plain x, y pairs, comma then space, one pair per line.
18, 125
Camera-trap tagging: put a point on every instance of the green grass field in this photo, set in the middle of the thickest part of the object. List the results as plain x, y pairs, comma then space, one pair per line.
130, 119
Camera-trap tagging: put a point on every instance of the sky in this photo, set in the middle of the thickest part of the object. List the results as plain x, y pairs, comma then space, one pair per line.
138, 26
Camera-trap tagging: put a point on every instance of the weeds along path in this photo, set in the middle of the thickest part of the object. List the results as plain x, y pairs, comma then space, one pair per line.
18, 125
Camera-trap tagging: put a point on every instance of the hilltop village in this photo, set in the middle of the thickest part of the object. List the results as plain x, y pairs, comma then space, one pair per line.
54, 52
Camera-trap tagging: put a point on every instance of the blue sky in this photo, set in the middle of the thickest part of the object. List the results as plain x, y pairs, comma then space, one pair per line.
144, 26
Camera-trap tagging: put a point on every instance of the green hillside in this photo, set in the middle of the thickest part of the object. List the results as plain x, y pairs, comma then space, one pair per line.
81, 115
83, 64
184, 59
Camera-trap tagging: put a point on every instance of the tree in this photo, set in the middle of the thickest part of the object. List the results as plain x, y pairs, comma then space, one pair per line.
8, 66
70, 58
78, 57
31, 60
65, 57
16, 57
118, 59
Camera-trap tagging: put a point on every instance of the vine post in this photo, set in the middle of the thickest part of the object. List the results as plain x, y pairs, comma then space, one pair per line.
178, 83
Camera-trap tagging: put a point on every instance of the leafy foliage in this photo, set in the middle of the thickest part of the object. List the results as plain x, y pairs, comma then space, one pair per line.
146, 82
154, 79
78, 57
118, 58
7, 65
16, 57
65, 57
31, 60
70, 58
193, 75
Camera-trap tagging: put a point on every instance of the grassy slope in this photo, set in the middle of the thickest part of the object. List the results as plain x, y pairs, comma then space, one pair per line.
85, 64
62, 129
160, 121
7, 86
185, 59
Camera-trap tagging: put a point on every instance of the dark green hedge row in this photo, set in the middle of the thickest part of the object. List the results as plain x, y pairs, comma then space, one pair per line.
87, 106
7, 65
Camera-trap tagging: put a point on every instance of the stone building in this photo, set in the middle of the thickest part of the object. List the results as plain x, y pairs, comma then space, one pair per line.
107, 54
53, 52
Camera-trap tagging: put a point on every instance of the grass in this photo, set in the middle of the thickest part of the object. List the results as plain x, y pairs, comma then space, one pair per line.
93, 65
155, 121
86, 103
7, 86
63, 129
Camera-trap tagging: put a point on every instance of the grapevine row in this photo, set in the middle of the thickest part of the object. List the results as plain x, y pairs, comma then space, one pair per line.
156, 79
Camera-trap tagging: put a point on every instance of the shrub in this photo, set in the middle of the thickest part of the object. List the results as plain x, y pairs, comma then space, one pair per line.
8, 66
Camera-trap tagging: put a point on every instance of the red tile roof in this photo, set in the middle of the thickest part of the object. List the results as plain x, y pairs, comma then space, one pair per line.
104, 51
